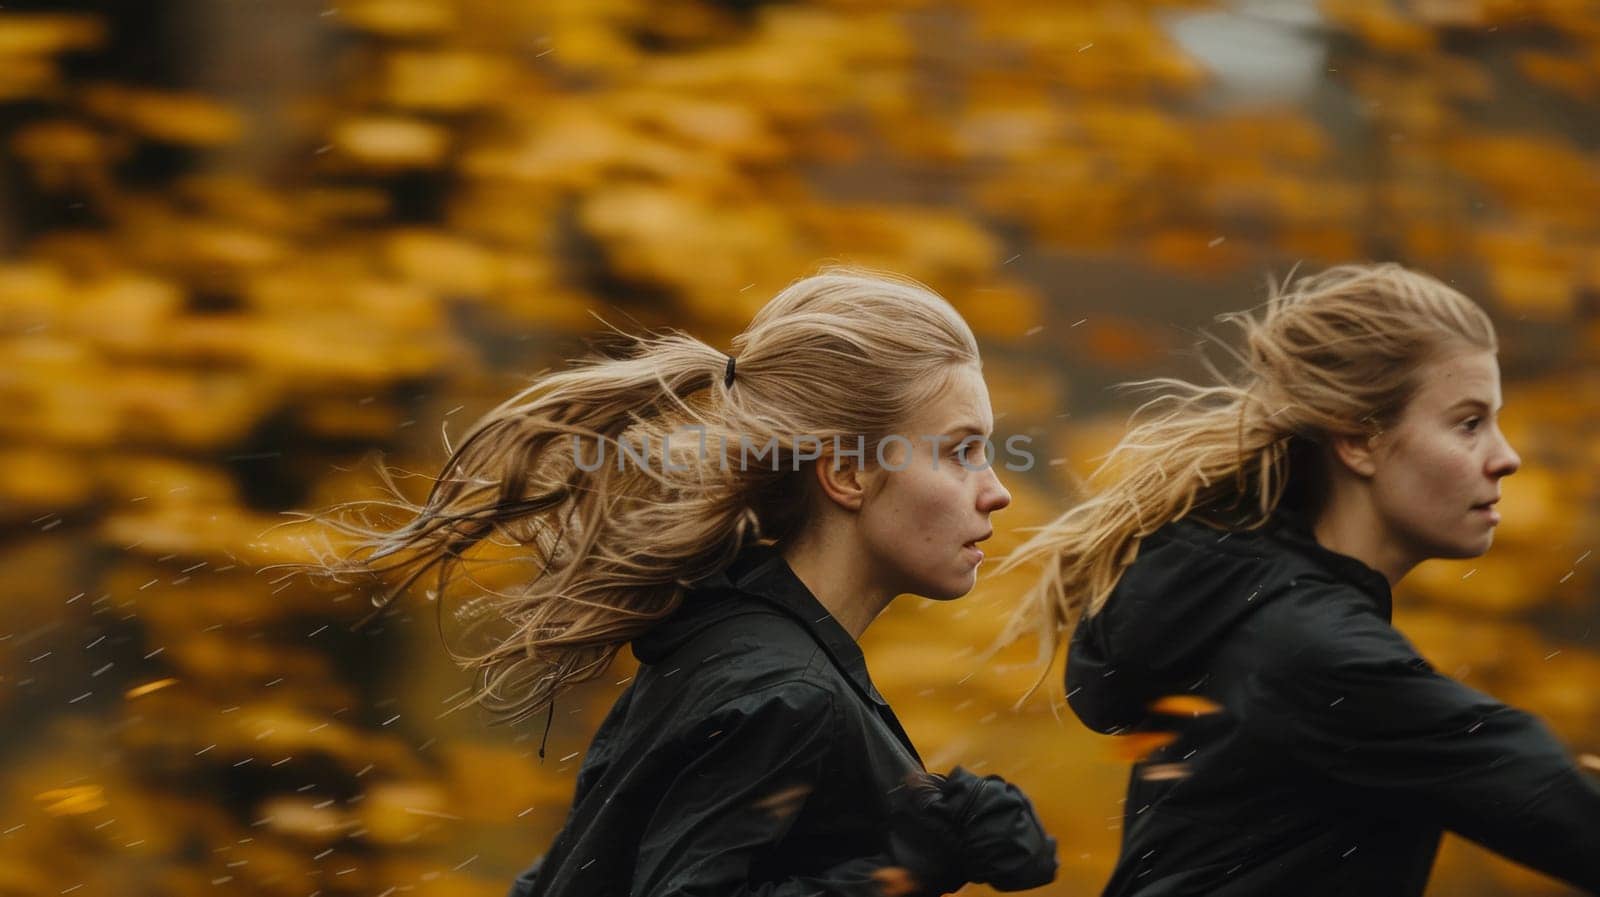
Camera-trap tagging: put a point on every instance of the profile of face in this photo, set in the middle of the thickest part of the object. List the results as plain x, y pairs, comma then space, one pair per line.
1435, 474
924, 513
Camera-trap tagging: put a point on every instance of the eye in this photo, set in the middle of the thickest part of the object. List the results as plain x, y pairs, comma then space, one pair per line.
1471, 424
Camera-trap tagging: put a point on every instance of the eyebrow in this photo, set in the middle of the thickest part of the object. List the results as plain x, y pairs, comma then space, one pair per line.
1472, 403
960, 429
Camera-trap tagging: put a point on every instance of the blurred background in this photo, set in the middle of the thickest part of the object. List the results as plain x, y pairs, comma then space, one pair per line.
247, 246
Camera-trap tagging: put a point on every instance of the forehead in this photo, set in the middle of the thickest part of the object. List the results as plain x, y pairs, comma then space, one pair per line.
1458, 377
962, 403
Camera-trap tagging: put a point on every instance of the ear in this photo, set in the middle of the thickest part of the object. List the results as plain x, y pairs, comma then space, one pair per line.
842, 480
1357, 454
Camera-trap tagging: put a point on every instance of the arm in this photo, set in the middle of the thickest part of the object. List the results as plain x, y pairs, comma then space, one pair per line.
736, 799
1344, 693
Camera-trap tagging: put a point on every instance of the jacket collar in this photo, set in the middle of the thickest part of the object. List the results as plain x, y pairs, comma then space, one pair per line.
1295, 528
762, 573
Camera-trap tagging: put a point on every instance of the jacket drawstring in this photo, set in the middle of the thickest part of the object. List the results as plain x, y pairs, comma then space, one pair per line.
548, 719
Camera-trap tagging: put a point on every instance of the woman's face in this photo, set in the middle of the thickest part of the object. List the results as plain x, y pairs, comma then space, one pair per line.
1437, 472
921, 523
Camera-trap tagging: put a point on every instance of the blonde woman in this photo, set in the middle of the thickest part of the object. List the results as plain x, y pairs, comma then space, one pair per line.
738, 521
1227, 588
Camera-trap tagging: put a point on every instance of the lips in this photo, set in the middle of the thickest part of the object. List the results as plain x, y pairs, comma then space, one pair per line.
973, 545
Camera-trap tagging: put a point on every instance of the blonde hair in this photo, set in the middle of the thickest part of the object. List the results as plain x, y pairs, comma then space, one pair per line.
843, 354
1331, 354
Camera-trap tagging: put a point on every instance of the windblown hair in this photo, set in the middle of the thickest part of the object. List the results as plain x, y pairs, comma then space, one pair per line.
1332, 354
573, 475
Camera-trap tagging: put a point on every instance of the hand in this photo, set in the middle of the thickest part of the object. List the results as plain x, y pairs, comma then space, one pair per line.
1002, 842
949, 830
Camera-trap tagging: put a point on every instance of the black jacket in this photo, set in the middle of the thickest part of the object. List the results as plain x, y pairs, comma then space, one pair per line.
752, 755
1338, 755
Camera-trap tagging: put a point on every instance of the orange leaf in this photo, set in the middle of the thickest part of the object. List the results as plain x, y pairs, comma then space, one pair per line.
148, 687
785, 801
1185, 705
895, 881
1136, 747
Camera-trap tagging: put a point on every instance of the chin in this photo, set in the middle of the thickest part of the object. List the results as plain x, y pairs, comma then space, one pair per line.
1462, 551
949, 590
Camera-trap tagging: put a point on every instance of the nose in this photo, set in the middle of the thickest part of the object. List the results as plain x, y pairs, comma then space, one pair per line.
993, 496
1504, 461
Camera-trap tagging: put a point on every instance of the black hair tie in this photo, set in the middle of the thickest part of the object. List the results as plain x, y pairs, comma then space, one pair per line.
727, 373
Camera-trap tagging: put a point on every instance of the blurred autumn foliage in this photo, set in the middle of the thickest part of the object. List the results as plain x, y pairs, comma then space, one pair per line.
247, 244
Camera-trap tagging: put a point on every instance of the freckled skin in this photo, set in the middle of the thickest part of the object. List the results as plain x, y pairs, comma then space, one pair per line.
917, 521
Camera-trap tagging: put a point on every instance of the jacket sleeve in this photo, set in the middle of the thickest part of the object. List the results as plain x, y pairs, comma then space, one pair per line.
736, 798
1343, 692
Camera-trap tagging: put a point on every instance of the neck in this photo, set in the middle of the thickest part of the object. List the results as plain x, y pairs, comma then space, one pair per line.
837, 575
1349, 526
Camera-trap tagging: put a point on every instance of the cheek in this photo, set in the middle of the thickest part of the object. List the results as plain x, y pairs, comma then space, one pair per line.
1430, 480
1451, 471
916, 512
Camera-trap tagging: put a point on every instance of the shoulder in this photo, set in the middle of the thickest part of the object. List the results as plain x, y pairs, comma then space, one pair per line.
800, 701
780, 718
1316, 626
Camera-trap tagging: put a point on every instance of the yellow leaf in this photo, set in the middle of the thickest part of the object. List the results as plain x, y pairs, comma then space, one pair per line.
72, 801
